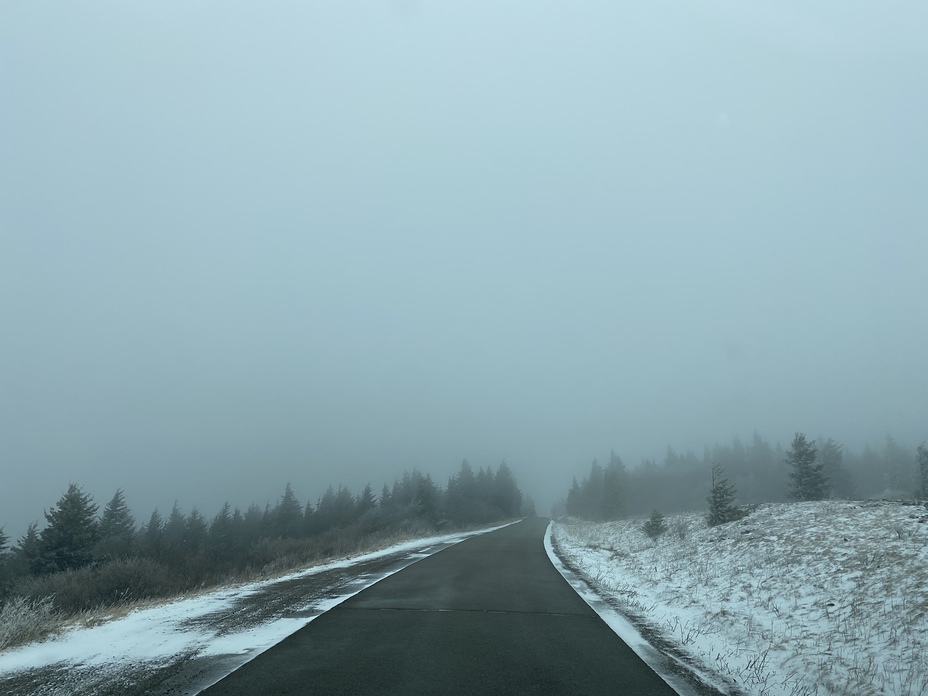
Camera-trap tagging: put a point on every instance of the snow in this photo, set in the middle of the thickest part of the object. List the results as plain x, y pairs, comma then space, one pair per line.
163, 632
807, 598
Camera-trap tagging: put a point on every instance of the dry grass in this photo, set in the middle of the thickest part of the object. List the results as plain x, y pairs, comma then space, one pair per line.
24, 621
825, 598
28, 619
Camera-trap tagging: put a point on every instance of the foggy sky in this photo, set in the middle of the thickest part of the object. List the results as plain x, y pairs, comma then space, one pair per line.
322, 242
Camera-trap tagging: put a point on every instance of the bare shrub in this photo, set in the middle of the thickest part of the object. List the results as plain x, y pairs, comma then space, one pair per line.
112, 583
23, 621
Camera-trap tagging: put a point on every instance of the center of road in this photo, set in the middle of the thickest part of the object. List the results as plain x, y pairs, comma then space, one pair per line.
489, 615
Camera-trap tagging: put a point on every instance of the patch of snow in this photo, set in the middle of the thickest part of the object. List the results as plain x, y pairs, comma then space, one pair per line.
795, 599
162, 633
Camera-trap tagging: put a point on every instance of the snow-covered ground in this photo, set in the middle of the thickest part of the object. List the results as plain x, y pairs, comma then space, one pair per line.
191, 643
795, 599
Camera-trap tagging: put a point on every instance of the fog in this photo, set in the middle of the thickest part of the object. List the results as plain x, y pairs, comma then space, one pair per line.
321, 242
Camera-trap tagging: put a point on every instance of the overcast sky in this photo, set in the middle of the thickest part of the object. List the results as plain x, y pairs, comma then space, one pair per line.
322, 242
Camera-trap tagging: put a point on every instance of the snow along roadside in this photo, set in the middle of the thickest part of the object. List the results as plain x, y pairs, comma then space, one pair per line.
682, 677
160, 637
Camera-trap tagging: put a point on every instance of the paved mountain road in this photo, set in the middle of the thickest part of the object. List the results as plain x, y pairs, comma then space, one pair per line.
490, 615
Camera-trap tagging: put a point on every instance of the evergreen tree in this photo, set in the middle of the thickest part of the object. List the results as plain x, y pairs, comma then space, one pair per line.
151, 535
506, 494
721, 499
831, 456
175, 530
196, 533
251, 526
221, 540
365, 501
117, 529
896, 467
807, 480
288, 515
72, 532
4, 565
324, 517
921, 463
343, 510
386, 500
655, 526
615, 481
27, 556
574, 503
309, 519
591, 499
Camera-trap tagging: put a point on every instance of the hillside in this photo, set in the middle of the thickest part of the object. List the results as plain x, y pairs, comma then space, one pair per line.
795, 599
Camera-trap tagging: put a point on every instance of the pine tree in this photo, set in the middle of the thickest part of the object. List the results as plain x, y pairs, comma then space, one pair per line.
807, 480
365, 501
117, 529
921, 462
72, 532
343, 512
28, 552
173, 535
574, 499
615, 481
838, 478
591, 498
196, 533
721, 499
4, 565
151, 535
655, 526
506, 494
221, 542
288, 515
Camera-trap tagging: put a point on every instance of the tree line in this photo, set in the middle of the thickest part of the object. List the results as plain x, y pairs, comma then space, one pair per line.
84, 556
753, 472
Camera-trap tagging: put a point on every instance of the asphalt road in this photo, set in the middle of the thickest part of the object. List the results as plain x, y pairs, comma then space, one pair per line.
490, 615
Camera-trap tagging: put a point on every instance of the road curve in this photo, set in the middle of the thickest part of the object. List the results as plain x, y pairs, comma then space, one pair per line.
490, 615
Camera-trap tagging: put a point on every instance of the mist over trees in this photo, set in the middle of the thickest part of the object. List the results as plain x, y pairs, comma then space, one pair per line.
84, 559
752, 472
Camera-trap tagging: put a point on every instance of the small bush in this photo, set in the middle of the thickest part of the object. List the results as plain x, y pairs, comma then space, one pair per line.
655, 526
112, 583
23, 621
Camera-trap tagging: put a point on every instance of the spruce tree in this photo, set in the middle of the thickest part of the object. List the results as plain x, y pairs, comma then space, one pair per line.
574, 495
921, 463
615, 481
721, 499
196, 533
173, 533
4, 565
365, 501
288, 515
655, 526
221, 541
506, 494
28, 552
72, 532
831, 455
152, 534
117, 528
807, 481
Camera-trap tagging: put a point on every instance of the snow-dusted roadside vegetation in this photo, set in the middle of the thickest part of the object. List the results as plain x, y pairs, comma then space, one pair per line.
186, 644
797, 599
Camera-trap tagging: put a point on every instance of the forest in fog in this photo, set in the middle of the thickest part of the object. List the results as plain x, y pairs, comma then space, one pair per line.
758, 471
84, 556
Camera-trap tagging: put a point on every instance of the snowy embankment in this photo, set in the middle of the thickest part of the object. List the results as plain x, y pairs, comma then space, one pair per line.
192, 642
806, 598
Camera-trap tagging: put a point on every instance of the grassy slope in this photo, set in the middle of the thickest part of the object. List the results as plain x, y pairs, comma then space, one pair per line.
828, 597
